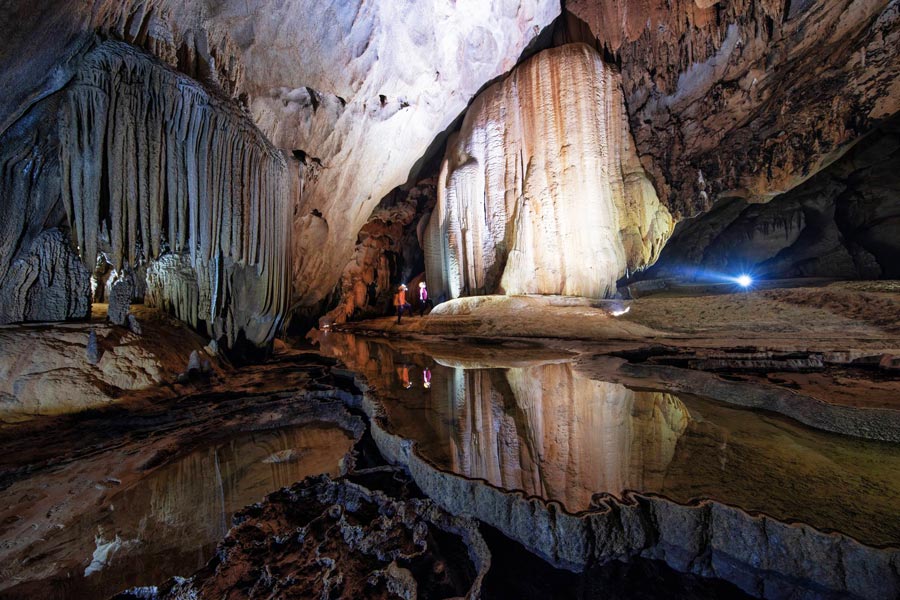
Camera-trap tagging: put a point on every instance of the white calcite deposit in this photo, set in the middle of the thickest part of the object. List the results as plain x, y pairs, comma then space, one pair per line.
542, 191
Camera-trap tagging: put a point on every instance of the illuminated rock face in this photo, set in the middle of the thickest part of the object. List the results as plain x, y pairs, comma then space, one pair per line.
746, 98
356, 91
542, 191
153, 165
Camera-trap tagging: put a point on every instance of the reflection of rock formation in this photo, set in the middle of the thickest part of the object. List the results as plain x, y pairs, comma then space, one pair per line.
151, 163
168, 521
844, 222
555, 434
542, 191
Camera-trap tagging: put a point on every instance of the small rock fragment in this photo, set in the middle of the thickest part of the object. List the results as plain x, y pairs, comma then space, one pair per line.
92, 351
119, 301
194, 363
134, 325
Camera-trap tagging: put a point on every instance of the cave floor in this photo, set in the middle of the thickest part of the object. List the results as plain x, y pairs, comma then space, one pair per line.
539, 422
825, 341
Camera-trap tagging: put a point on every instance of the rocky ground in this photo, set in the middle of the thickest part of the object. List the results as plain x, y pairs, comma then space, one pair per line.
838, 341
391, 523
47, 368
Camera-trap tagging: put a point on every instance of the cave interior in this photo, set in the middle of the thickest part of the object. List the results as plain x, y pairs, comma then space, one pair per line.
434, 299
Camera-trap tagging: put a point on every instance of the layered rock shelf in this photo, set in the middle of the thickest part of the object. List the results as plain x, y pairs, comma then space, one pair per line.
542, 191
153, 165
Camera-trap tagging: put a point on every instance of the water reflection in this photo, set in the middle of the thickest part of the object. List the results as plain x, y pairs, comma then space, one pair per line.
551, 431
169, 522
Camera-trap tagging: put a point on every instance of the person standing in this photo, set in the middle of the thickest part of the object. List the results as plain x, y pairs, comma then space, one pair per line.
423, 298
400, 302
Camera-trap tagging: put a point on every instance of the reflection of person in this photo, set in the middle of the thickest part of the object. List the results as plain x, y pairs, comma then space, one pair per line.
400, 302
403, 375
426, 378
423, 299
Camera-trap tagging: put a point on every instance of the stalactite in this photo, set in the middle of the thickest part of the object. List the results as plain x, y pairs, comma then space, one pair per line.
173, 169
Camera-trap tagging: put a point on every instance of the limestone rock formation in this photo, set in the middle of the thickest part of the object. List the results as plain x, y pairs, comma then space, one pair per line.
347, 541
745, 98
155, 164
38, 277
542, 192
356, 91
67, 367
843, 222
119, 302
388, 251
50, 283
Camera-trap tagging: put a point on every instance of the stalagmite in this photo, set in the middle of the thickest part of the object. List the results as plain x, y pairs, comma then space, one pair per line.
542, 191
181, 179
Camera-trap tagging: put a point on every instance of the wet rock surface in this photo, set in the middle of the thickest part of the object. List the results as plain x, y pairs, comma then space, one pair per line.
762, 555
339, 539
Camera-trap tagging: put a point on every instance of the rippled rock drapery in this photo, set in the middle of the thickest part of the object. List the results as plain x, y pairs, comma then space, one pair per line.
50, 283
542, 191
154, 165
41, 277
746, 98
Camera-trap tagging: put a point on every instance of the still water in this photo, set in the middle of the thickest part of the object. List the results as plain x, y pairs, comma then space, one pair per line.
169, 522
551, 431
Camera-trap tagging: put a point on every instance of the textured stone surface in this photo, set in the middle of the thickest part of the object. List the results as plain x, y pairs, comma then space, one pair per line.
49, 283
52, 369
337, 539
356, 91
187, 172
746, 98
843, 222
541, 191
119, 302
388, 252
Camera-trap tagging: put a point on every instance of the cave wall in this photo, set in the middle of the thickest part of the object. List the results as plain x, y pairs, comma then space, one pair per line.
388, 252
357, 91
745, 98
41, 278
152, 164
541, 191
843, 222
139, 166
